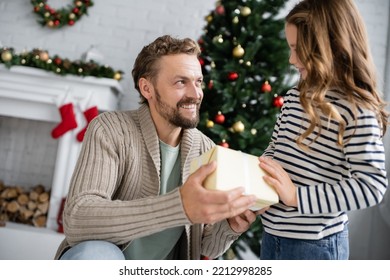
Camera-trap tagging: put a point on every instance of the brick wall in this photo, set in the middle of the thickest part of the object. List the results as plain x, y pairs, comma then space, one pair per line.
117, 28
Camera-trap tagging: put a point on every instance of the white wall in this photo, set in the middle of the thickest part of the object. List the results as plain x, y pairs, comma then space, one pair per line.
120, 28
370, 228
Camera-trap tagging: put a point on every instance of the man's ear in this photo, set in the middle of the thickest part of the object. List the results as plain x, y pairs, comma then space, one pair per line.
146, 88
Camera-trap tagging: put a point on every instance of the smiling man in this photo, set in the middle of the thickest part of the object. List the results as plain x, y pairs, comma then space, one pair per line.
131, 194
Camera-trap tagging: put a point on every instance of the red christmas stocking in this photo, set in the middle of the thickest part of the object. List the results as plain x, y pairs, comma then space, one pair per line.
68, 121
89, 114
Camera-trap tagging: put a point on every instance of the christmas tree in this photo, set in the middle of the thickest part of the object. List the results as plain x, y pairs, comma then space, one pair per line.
246, 72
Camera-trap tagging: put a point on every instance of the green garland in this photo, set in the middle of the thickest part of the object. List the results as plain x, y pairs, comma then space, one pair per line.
58, 18
40, 59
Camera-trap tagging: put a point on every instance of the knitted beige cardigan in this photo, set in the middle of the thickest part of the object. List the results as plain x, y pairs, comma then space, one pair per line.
114, 189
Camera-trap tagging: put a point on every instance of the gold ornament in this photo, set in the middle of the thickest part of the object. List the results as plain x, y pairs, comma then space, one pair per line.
238, 126
209, 18
235, 20
245, 11
117, 76
218, 39
209, 124
6, 56
44, 56
253, 131
238, 51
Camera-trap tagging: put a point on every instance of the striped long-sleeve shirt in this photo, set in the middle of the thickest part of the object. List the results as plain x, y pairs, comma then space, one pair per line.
331, 180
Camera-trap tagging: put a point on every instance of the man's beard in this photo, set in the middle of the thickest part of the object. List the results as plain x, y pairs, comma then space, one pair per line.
173, 114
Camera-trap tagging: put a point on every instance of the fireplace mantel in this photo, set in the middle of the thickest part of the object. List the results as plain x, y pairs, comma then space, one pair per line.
34, 94
30, 93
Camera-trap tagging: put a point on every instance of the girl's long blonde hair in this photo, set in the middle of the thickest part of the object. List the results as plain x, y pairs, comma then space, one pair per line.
332, 45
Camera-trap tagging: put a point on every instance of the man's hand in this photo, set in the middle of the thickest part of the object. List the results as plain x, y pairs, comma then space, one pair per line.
204, 206
242, 222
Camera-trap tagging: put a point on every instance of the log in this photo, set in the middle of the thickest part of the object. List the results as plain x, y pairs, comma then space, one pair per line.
23, 199
13, 206
43, 207
27, 206
39, 221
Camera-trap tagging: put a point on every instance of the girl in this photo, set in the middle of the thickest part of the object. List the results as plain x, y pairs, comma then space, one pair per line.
326, 155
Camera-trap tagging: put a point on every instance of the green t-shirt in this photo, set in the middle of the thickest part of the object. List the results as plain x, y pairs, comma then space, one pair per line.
161, 245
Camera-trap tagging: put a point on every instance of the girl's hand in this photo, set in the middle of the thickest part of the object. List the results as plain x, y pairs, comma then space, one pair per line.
279, 179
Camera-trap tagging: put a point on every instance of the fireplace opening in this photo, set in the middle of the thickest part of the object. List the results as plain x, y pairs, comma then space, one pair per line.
27, 162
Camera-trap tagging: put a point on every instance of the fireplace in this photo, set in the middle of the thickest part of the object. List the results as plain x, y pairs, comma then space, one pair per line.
28, 153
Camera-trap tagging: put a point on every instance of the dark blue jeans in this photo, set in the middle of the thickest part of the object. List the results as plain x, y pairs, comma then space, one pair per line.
334, 247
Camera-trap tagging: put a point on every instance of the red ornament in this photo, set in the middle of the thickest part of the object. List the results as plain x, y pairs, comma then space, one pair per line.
278, 101
220, 10
232, 76
75, 10
219, 118
224, 144
71, 22
57, 61
201, 61
266, 87
211, 84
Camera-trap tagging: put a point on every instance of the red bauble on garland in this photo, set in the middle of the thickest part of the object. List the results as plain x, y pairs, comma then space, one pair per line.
57, 61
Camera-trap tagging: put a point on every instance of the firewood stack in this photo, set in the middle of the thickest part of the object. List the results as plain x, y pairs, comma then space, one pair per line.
24, 206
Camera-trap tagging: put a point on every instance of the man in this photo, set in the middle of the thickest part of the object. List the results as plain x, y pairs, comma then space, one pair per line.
131, 194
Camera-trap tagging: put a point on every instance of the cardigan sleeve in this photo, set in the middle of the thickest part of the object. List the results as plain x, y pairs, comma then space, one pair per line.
217, 239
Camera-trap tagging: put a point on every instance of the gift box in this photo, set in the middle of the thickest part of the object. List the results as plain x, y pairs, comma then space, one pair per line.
236, 169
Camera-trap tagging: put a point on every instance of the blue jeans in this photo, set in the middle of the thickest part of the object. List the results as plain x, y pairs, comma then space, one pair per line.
93, 250
334, 247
